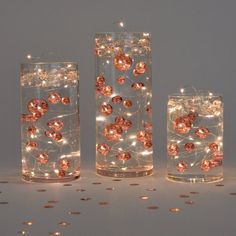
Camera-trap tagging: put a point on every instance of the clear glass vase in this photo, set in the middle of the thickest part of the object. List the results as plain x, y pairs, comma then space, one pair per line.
195, 137
50, 121
123, 104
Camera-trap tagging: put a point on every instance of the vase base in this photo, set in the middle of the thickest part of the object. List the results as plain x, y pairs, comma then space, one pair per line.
49, 180
194, 178
124, 174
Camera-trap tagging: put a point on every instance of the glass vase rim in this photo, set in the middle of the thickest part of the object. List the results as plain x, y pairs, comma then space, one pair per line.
200, 94
49, 63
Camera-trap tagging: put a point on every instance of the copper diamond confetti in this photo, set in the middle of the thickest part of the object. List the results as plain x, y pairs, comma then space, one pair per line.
67, 185
3, 203
23, 232
48, 206
64, 223
85, 198
110, 188
174, 210
65, 100
103, 203
144, 197
189, 202
41, 190
29, 223
74, 213
96, 183
151, 189
152, 207
184, 196
56, 233
80, 190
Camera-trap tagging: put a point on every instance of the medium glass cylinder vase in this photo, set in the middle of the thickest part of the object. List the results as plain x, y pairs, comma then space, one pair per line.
50, 122
195, 137
123, 104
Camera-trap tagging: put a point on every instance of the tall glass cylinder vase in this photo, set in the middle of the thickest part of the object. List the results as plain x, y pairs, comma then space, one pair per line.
123, 104
195, 137
50, 122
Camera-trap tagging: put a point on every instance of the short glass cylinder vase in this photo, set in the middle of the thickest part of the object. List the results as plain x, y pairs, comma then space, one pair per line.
50, 121
123, 104
195, 137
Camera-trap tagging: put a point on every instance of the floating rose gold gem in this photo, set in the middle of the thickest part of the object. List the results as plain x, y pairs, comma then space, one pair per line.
113, 132
55, 124
182, 166
119, 120
54, 97
120, 80
117, 99
126, 125
174, 210
172, 149
137, 86
65, 100
182, 125
213, 147
103, 148
152, 207
205, 165
31, 130
106, 109
42, 158
122, 62
144, 136
37, 106
127, 103
192, 116
107, 90
147, 144
189, 147
141, 67
30, 117
149, 109
100, 80
64, 164
53, 135
216, 160
31, 145
123, 156
61, 173
147, 125
202, 132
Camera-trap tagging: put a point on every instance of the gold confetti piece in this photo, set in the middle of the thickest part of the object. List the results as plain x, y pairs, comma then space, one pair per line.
74, 213
116, 180
52, 201
174, 210
80, 190
48, 206
85, 198
103, 203
152, 207
41, 190
150, 189
184, 196
194, 192
110, 188
64, 223
29, 223
234, 194
134, 184
3, 182
144, 197
67, 185
56, 233
96, 183
189, 202
220, 185
23, 232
